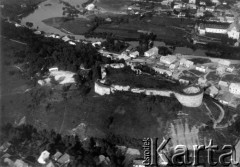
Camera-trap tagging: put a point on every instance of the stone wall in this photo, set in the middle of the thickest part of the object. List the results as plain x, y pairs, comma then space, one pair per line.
101, 89
185, 99
188, 100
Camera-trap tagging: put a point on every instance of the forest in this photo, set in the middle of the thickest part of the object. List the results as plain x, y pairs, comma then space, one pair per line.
26, 140
42, 53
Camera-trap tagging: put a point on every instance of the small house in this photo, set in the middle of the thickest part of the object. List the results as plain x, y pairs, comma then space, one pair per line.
168, 59
151, 52
234, 88
43, 157
134, 54
64, 159
223, 83
201, 69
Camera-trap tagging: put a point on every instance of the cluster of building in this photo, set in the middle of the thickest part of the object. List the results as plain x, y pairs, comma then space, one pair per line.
62, 77
58, 159
173, 65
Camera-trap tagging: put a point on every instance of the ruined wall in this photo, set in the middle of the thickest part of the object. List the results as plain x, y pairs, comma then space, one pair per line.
158, 92
186, 100
190, 100
101, 89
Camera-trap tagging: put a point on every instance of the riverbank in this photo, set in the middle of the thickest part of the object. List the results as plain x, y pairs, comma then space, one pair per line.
77, 26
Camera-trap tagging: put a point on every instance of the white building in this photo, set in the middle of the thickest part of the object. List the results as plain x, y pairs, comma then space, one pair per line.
134, 54
223, 84
37, 32
66, 39
94, 44
184, 81
210, 8
234, 88
213, 28
213, 91
90, 7
215, 2
63, 77
72, 43
168, 59
221, 70
230, 69
53, 69
186, 63
163, 71
192, 1
233, 31
202, 81
201, 69
199, 14
43, 157
178, 6
191, 6
229, 18
101, 89
151, 52
202, 3
138, 163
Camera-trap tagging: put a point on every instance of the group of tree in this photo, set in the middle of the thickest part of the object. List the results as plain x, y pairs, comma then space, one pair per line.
26, 141
42, 53
114, 45
146, 42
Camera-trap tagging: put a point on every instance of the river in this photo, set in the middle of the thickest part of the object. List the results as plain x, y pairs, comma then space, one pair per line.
46, 11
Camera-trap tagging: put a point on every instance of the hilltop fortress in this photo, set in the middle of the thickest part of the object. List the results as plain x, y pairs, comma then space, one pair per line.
191, 96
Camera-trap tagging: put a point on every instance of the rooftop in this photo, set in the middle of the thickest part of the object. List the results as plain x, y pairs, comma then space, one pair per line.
214, 25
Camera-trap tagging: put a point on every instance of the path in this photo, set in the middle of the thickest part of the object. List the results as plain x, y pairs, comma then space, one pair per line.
219, 119
63, 120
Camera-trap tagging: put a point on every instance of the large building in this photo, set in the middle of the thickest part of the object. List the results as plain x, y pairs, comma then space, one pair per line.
186, 63
213, 28
231, 30
168, 59
234, 88
192, 1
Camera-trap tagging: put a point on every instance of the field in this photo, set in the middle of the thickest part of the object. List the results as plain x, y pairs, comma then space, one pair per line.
77, 26
163, 27
212, 76
123, 77
125, 114
111, 5
13, 100
231, 78
200, 60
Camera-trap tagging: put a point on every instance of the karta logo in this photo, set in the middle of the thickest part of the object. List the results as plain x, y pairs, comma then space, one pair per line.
155, 154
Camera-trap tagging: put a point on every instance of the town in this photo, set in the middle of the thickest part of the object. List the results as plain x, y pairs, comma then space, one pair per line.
86, 83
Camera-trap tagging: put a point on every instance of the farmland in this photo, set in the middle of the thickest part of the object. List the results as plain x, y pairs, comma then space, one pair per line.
125, 77
76, 26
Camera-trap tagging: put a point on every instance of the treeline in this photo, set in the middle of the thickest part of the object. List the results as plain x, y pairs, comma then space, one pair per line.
26, 141
42, 53
223, 51
18, 9
114, 45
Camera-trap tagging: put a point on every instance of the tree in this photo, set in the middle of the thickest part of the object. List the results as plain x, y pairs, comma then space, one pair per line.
29, 24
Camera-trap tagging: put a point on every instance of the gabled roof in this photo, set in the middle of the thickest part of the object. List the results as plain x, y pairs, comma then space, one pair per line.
214, 25
233, 26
